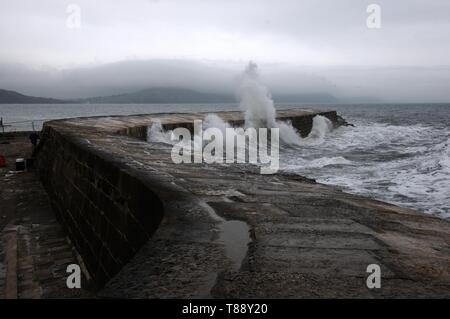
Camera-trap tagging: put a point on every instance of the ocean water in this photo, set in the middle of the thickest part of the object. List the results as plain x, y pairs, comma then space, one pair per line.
398, 153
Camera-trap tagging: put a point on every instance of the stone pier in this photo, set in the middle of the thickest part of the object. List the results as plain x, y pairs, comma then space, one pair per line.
148, 228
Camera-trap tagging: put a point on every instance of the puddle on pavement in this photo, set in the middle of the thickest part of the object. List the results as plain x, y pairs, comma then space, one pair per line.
235, 236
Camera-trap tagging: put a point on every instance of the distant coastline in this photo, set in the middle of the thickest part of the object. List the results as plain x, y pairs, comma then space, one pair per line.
161, 95
13, 97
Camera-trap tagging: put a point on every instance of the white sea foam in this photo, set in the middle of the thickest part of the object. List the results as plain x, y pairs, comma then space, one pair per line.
214, 121
318, 163
156, 133
327, 161
407, 165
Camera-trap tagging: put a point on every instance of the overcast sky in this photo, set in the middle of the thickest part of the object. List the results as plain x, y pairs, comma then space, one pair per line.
313, 45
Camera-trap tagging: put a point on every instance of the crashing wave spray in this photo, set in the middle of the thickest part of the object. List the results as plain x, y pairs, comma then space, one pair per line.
257, 103
213, 120
156, 133
321, 126
259, 109
256, 100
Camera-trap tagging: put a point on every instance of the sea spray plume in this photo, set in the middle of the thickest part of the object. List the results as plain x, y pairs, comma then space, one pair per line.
321, 126
289, 134
257, 103
213, 120
255, 100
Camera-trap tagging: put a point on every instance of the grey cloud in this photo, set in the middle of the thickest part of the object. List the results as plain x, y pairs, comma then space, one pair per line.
129, 76
324, 32
309, 45
402, 84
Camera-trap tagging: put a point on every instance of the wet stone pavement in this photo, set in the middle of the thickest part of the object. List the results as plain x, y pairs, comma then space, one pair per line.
304, 239
34, 251
293, 238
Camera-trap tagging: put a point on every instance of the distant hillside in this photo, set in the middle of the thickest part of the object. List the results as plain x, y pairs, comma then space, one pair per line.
13, 97
163, 95
181, 95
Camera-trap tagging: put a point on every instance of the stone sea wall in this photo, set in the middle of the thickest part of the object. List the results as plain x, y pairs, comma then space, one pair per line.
107, 212
147, 227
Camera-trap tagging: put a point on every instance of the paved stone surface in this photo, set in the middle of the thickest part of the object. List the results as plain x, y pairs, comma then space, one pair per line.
302, 240
34, 251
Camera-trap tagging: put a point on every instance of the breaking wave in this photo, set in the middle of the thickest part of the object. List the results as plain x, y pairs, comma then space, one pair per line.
258, 105
406, 165
259, 112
